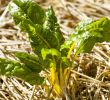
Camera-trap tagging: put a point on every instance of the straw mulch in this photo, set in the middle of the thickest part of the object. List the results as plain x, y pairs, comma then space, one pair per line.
91, 78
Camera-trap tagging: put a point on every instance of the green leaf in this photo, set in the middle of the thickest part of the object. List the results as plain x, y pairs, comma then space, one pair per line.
65, 62
15, 68
87, 33
28, 10
31, 61
52, 52
30, 20
52, 31
41, 26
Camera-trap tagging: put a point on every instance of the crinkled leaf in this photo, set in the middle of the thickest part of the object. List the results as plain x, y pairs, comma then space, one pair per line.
87, 33
28, 10
15, 68
52, 31
41, 26
23, 17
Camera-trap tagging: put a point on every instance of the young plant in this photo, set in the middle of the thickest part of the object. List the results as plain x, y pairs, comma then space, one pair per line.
46, 40
51, 50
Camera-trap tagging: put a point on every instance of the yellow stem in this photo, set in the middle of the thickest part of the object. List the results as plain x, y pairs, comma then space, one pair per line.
70, 50
54, 80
